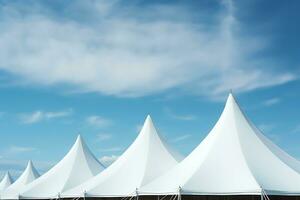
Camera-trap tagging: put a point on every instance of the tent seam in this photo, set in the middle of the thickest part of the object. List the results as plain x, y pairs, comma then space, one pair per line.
242, 151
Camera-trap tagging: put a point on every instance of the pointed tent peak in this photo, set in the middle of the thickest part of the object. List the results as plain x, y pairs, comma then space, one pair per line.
30, 168
79, 138
77, 166
7, 177
231, 102
80, 144
6, 181
148, 122
29, 164
230, 97
79, 141
148, 126
149, 131
148, 119
29, 175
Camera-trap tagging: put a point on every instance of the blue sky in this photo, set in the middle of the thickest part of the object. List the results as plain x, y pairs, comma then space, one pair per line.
99, 67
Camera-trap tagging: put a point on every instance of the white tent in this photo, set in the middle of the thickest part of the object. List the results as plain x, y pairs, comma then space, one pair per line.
234, 159
29, 175
147, 158
6, 181
76, 167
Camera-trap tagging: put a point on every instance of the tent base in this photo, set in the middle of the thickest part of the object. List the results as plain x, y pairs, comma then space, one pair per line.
195, 197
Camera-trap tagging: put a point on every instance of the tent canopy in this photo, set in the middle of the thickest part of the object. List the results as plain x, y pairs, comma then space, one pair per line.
29, 175
147, 158
235, 158
76, 167
6, 181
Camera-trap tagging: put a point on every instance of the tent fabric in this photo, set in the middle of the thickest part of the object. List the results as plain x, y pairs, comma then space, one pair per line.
6, 182
76, 167
212, 197
147, 158
29, 175
234, 159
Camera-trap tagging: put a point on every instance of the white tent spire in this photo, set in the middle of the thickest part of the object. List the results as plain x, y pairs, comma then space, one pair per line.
29, 175
6, 181
79, 138
31, 171
147, 158
148, 126
233, 159
76, 167
148, 117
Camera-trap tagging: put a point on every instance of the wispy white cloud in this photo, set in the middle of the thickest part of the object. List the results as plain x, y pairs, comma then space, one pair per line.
108, 160
111, 149
104, 136
20, 149
58, 114
181, 138
133, 55
37, 116
98, 121
184, 117
31, 118
272, 101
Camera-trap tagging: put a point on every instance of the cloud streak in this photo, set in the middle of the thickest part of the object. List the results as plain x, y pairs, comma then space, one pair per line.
181, 138
126, 50
37, 116
104, 136
111, 149
98, 121
20, 149
272, 101
186, 117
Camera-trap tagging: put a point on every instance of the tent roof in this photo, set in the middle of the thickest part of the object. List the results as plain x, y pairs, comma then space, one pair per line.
146, 158
76, 167
6, 181
235, 158
29, 175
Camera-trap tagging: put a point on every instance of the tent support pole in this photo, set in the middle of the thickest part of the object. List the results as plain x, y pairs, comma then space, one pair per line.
179, 193
137, 194
262, 194
265, 195
84, 195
